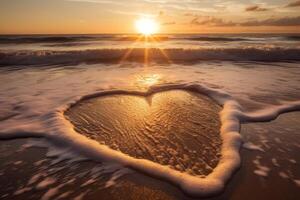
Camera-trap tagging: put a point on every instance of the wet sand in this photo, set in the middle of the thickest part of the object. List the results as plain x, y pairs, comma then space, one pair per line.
274, 146
177, 128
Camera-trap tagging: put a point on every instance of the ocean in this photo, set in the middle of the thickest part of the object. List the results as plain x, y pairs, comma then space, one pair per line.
57, 49
176, 107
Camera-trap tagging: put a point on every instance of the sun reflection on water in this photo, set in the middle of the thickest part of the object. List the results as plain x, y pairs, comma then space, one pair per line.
147, 80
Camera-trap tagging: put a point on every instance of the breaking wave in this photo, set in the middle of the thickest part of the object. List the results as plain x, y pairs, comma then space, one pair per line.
174, 55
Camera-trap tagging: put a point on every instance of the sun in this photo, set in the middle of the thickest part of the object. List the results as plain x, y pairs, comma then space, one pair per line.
146, 26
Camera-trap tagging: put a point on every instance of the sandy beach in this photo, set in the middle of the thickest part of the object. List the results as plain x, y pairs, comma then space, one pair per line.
149, 100
278, 152
219, 122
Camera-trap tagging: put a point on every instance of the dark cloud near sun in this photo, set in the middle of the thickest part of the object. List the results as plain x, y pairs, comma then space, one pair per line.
255, 8
294, 4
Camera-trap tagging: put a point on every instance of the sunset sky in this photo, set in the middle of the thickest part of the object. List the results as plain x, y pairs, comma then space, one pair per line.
174, 16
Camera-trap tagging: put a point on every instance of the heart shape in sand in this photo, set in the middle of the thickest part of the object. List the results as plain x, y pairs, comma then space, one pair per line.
176, 128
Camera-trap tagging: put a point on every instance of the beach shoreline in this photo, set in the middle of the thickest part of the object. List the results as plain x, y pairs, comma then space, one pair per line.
245, 183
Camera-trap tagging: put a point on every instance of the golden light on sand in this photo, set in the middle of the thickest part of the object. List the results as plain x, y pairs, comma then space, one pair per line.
146, 26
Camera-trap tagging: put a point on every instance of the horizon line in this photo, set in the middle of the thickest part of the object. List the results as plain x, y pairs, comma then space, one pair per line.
188, 33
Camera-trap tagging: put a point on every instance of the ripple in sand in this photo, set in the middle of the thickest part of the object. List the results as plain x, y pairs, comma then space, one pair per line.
175, 128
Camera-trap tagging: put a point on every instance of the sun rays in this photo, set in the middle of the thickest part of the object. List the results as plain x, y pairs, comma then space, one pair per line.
147, 28
150, 47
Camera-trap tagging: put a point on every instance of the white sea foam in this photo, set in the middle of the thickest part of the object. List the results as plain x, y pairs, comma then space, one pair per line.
46, 182
251, 146
283, 175
69, 144
261, 170
275, 162
297, 182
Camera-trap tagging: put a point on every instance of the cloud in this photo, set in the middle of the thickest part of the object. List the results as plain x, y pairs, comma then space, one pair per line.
168, 23
190, 14
255, 8
93, 1
210, 21
293, 4
213, 21
285, 21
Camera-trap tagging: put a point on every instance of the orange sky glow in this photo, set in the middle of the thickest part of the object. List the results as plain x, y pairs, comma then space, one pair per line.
173, 16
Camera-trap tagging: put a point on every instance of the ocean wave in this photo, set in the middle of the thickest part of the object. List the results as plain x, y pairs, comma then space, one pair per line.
27, 39
218, 39
48, 39
154, 55
293, 37
71, 39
